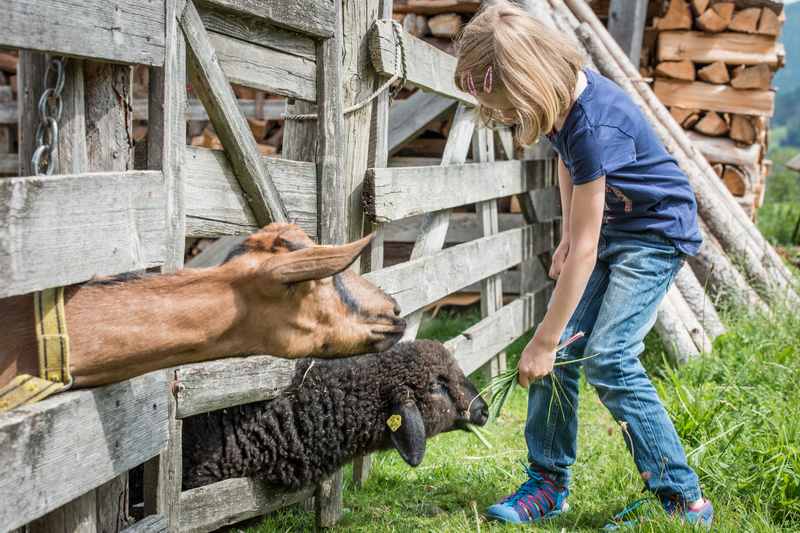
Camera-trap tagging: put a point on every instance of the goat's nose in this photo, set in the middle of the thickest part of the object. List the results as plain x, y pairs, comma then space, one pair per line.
396, 309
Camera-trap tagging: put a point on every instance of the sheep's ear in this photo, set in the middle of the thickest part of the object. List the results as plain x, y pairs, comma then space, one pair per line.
407, 431
315, 262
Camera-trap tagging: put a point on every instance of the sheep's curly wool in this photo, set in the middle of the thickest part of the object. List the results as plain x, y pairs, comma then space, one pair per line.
334, 411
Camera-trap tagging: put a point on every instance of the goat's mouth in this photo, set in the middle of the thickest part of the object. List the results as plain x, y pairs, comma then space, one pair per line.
387, 335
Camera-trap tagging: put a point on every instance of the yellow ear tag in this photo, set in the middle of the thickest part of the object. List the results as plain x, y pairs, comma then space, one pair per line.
394, 422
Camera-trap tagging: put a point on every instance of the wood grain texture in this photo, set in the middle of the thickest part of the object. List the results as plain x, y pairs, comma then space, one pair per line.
232, 500
463, 227
274, 71
87, 224
256, 30
215, 204
214, 385
422, 281
408, 118
712, 97
730, 48
125, 31
428, 67
149, 524
478, 344
315, 18
214, 90
56, 450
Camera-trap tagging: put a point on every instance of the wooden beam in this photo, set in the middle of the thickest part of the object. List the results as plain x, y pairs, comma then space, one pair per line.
408, 118
87, 225
125, 31
435, 7
481, 342
422, 281
60, 448
626, 20
274, 71
150, 524
230, 501
730, 48
394, 193
214, 90
711, 97
428, 67
725, 150
255, 30
463, 227
215, 205
214, 385
312, 18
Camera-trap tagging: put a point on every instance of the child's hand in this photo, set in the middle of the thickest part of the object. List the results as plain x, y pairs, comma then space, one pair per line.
536, 361
559, 257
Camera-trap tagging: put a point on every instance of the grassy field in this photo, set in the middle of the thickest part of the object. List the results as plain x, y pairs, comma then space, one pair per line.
737, 410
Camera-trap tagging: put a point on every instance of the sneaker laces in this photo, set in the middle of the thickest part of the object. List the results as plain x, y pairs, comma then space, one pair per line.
533, 495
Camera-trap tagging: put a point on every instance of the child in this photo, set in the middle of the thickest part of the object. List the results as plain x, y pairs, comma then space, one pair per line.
629, 219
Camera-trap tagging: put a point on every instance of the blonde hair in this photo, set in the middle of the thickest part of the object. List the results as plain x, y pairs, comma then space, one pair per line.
535, 67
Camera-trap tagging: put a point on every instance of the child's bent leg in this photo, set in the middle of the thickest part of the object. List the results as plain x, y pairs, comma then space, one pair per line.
552, 425
638, 282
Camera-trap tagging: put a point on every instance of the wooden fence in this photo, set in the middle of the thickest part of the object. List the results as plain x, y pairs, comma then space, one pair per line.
101, 215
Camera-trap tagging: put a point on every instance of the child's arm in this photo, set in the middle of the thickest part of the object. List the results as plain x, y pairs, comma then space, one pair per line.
565, 190
585, 218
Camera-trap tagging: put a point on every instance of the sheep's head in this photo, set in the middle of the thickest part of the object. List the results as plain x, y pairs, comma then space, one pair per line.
302, 300
437, 398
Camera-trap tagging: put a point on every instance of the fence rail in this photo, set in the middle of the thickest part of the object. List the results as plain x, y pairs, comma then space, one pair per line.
65, 229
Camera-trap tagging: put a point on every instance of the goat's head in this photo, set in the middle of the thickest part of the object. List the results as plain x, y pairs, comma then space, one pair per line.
437, 398
302, 300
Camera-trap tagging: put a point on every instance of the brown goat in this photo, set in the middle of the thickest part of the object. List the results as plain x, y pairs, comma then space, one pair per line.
278, 294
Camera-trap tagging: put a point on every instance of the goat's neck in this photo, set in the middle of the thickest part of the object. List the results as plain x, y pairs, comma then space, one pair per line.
151, 323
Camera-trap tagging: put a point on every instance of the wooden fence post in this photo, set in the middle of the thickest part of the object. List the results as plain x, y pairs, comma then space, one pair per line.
166, 140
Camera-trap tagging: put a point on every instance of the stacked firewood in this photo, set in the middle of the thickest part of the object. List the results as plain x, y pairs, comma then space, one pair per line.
436, 21
8, 130
712, 62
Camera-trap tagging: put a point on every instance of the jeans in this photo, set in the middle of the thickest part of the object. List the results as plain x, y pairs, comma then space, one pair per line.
617, 309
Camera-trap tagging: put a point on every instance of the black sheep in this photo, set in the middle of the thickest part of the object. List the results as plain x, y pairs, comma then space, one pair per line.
335, 410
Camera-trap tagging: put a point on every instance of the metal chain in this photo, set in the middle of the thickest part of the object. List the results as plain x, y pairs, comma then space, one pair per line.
51, 105
399, 55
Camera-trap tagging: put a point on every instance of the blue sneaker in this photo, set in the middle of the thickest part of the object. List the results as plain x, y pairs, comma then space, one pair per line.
536, 499
647, 508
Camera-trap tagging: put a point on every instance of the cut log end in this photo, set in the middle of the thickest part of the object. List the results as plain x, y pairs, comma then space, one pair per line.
712, 124
735, 180
716, 72
754, 77
677, 17
680, 70
746, 20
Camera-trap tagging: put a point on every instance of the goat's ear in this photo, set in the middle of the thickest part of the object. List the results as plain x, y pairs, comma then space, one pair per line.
407, 431
316, 262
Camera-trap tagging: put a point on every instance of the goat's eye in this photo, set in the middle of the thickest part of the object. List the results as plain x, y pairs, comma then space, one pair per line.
437, 387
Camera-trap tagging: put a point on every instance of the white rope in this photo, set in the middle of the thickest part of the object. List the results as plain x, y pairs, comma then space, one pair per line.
399, 56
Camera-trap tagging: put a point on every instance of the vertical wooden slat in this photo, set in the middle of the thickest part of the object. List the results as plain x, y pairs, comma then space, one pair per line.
80, 515
377, 158
491, 288
626, 19
165, 151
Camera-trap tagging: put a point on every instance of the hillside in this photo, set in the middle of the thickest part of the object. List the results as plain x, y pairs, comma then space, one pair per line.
788, 78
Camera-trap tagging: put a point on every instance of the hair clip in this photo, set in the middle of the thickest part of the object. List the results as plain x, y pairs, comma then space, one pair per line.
471, 85
487, 80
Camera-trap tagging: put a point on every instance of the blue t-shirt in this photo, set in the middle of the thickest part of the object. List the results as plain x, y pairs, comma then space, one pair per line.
605, 134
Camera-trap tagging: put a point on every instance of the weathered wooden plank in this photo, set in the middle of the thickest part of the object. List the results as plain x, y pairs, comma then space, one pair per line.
150, 524
316, 18
729, 47
214, 90
125, 31
478, 344
9, 164
394, 193
272, 110
215, 205
214, 385
57, 449
428, 67
712, 97
422, 281
435, 7
233, 500
87, 225
263, 68
626, 19
256, 30
463, 227
408, 118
